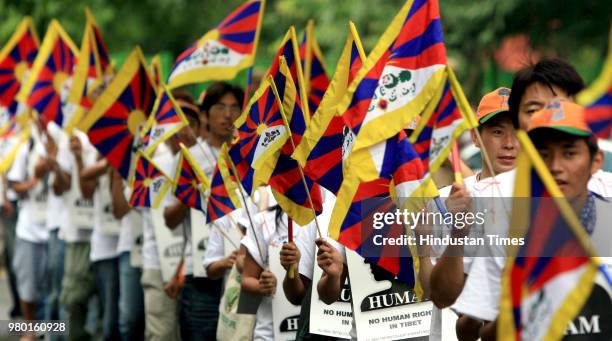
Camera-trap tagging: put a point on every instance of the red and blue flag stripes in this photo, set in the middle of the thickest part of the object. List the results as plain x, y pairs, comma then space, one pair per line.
444, 115
598, 115
324, 163
246, 173
357, 232
220, 202
315, 76
149, 183
165, 121
398, 165
113, 124
397, 73
188, 186
237, 31
49, 82
262, 131
16, 59
597, 99
222, 52
289, 49
542, 275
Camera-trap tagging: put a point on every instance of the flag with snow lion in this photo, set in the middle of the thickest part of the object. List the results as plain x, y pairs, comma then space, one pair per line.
222, 52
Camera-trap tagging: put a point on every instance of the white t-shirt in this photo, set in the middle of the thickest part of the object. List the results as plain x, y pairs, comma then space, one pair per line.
55, 203
20, 171
268, 232
167, 164
126, 235
307, 235
150, 258
215, 249
206, 157
481, 293
67, 162
103, 246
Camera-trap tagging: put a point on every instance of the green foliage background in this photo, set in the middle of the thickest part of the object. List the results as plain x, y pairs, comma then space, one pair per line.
574, 30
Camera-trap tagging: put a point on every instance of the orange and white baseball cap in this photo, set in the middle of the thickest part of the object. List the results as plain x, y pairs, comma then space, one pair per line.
493, 103
564, 116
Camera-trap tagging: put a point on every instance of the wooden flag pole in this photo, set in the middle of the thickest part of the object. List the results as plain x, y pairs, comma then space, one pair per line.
456, 161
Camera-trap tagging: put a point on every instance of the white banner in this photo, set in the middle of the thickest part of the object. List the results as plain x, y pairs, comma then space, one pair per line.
284, 314
385, 309
199, 241
169, 244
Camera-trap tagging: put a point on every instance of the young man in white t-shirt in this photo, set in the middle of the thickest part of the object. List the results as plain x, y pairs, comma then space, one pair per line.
161, 320
532, 88
443, 282
30, 257
569, 150
77, 224
104, 240
199, 298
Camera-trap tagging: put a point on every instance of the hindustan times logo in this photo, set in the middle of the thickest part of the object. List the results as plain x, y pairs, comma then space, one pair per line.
458, 220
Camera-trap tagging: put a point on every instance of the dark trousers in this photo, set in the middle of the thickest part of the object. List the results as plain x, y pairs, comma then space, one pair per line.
107, 285
199, 308
10, 223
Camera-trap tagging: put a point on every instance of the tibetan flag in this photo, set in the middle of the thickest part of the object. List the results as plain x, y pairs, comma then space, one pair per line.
286, 179
166, 120
223, 199
357, 202
156, 70
314, 71
149, 183
50, 80
261, 133
442, 124
92, 74
399, 77
116, 119
323, 146
16, 59
241, 167
222, 52
597, 100
190, 183
548, 279
289, 50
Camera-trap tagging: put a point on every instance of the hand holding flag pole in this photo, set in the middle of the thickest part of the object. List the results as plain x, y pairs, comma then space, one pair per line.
286, 122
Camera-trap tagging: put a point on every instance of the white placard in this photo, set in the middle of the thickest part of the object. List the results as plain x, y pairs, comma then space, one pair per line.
199, 241
109, 225
169, 244
81, 210
285, 316
385, 310
138, 238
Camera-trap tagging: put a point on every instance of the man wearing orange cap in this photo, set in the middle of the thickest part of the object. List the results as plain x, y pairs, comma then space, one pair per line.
570, 152
445, 279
